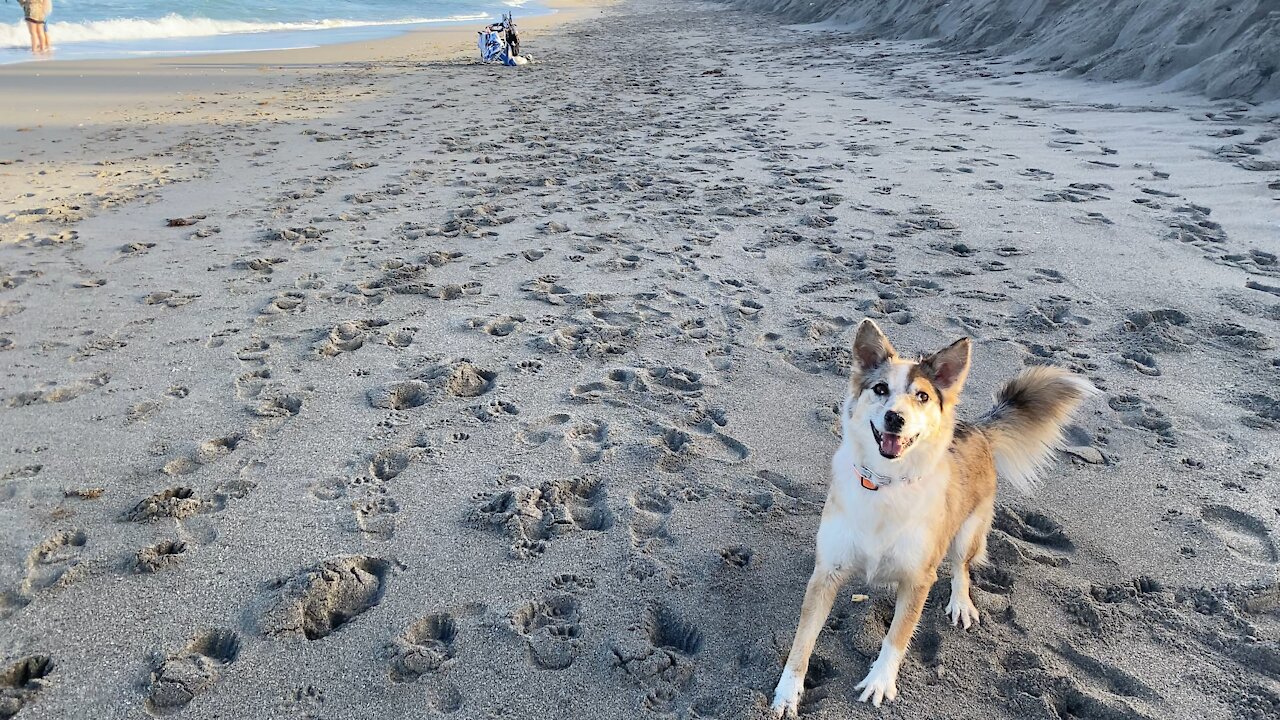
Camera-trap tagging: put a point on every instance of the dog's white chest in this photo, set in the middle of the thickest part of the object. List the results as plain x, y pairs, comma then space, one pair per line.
878, 534
872, 545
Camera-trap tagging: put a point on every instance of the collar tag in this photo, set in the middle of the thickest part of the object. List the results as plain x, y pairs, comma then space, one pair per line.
874, 481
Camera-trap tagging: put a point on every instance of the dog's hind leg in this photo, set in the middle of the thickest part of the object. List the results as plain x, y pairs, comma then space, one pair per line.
967, 548
881, 682
818, 598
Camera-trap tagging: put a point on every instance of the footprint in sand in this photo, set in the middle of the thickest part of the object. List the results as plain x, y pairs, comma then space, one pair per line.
1034, 684
306, 702
285, 302
169, 298
994, 579
1143, 362
498, 325
650, 511
1113, 679
1265, 409
176, 503
543, 430
376, 517
25, 471
1136, 412
191, 671
588, 338
1032, 527
386, 465
668, 630
737, 556
468, 380
251, 384
1242, 338
401, 395
1245, 535
533, 516
424, 647
817, 683
444, 698
589, 440
348, 336
569, 582
618, 382
163, 554
680, 448
21, 682
1159, 330
529, 367
657, 655
284, 405
205, 453
60, 394
551, 629
320, 600
50, 561
496, 409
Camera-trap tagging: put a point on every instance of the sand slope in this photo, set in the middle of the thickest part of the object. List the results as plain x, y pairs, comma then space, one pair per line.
518, 403
1221, 49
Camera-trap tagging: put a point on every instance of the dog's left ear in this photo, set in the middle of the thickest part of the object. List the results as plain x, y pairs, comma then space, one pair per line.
948, 367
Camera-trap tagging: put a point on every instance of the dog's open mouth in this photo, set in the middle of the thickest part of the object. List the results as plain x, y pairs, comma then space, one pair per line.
891, 445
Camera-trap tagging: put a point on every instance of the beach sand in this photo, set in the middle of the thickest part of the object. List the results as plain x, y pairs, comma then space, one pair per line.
368, 381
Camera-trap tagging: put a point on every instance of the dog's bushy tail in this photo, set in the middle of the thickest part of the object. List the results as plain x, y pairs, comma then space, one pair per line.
1025, 425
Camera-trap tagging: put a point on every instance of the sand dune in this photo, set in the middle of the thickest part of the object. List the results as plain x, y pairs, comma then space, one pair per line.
1221, 49
485, 392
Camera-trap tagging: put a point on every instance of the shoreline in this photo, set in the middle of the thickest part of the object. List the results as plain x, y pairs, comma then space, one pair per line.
70, 91
254, 39
63, 129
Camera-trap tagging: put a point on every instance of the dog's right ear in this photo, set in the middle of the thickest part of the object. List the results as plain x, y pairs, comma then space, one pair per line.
870, 348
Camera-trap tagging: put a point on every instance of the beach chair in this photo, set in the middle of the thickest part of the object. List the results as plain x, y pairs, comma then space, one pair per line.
500, 42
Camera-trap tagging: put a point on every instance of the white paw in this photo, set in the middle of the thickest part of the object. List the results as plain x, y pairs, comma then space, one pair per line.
786, 699
962, 611
880, 684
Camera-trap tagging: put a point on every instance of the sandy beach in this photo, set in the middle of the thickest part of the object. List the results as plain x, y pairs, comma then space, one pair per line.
368, 381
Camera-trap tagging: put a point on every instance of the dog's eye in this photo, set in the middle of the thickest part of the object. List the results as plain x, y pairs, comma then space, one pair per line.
922, 396
880, 389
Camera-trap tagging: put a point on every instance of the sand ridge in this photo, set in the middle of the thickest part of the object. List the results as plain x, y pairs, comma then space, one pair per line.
476, 392
1223, 50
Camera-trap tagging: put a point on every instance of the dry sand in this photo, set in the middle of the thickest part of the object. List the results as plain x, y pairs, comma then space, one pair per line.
499, 392
1224, 49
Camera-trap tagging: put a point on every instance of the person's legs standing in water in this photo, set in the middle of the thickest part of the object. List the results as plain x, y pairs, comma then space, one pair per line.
44, 26
33, 28
35, 36
35, 12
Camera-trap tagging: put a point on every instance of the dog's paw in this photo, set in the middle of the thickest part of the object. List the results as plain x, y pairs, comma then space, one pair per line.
962, 611
786, 699
880, 684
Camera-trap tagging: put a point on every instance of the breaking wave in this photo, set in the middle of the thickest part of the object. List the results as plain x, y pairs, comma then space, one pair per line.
177, 26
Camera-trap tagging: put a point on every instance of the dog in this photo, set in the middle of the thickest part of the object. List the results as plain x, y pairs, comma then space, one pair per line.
910, 484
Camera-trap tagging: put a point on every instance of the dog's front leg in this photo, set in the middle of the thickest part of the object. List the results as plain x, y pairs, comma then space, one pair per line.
818, 598
881, 682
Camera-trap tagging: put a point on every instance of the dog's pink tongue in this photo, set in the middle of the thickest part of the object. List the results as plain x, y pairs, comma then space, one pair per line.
890, 444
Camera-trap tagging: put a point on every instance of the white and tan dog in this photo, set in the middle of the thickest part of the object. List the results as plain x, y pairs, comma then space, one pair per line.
910, 484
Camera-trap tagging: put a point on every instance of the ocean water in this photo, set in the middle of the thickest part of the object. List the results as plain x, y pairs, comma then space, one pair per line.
82, 29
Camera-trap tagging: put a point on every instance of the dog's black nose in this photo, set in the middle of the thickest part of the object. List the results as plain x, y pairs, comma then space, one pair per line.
893, 422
